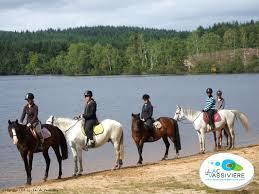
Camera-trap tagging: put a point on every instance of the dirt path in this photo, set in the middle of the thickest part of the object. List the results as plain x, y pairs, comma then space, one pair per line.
170, 176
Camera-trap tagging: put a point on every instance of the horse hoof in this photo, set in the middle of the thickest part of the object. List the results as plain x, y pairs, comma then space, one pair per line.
59, 177
139, 163
79, 174
28, 183
115, 167
74, 175
177, 156
45, 179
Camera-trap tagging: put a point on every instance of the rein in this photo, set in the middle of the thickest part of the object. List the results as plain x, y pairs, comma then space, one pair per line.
72, 126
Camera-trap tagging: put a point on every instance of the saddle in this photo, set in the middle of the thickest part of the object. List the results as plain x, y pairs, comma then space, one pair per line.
206, 117
45, 133
98, 129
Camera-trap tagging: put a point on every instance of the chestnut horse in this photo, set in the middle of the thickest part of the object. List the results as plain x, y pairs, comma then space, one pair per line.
27, 145
142, 134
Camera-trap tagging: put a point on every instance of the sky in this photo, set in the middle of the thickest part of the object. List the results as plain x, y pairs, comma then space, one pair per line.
32, 15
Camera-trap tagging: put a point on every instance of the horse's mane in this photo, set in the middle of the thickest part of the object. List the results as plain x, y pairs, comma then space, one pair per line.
189, 111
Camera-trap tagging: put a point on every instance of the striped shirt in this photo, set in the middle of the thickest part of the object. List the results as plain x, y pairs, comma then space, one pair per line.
210, 104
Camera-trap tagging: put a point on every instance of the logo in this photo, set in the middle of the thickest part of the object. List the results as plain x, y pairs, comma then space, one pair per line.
226, 171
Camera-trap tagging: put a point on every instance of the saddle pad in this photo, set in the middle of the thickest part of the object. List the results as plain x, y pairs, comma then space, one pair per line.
45, 133
217, 117
157, 124
98, 129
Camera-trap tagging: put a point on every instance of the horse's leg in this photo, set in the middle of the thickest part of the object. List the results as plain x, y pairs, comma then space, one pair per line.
167, 145
47, 159
59, 158
26, 165
140, 148
117, 154
203, 140
74, 152
200, 141
176, 147
79, 155
232, 135
227, 130
30, 154
220, 138
226, 135
215, 140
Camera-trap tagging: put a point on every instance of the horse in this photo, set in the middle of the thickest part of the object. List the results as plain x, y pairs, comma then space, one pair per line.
73, 130
27, 145
227, 122
141, 134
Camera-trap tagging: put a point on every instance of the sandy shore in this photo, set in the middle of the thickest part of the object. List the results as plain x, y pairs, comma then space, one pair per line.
170, 176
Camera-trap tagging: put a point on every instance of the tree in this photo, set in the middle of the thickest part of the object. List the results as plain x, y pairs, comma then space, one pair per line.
33, 66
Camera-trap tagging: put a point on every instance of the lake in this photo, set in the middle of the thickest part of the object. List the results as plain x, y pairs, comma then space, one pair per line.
117, 98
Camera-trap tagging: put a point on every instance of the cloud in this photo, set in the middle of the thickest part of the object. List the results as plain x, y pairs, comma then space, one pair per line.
170, 14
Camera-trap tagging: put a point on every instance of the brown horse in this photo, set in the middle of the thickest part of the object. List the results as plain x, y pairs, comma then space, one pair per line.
141, 134
218, 140
27, 145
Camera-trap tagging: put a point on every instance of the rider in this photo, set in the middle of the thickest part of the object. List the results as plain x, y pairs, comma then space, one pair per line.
31, 111
90, 116
147, 112
220, 101
210, 107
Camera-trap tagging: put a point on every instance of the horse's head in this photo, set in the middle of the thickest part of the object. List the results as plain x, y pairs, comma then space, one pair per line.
137, 123
178, 113
50, 120
13, 129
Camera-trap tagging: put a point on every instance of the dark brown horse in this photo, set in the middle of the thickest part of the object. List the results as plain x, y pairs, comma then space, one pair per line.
141, 134
27, 145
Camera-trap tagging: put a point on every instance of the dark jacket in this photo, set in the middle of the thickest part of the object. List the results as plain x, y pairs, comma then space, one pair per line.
147, 111
32, 114
90, 110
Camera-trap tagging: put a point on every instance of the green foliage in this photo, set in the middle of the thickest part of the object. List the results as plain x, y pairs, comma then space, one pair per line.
124, 50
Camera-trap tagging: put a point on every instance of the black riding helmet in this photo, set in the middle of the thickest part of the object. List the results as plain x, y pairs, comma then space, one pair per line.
219, 93
145, 97
29, 96
209, 90
88, 93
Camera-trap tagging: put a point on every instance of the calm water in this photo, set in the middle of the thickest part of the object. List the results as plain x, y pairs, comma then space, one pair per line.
117, 98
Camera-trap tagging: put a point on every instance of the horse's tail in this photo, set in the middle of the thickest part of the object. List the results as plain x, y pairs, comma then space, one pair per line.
177, 143
63, 145
243, 118
121, 147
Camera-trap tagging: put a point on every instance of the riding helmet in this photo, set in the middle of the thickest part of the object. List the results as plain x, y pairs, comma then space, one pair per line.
219, 93
88, 93
146, 97
29, 96
209, 90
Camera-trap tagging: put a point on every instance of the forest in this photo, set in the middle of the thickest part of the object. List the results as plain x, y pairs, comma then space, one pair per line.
229, 47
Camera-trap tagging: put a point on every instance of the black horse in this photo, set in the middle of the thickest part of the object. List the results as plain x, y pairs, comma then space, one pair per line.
27, 145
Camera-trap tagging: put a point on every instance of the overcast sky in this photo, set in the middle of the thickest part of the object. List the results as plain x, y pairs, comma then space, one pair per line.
170, 14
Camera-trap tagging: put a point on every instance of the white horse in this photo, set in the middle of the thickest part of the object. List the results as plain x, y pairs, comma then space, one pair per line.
227, 122
72, 129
